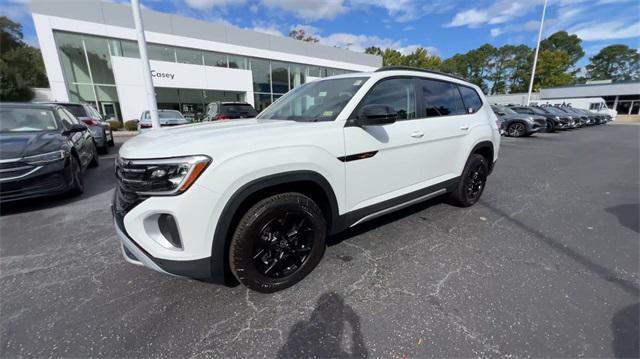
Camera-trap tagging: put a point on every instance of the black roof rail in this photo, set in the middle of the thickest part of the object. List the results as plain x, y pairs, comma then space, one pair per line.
409, 68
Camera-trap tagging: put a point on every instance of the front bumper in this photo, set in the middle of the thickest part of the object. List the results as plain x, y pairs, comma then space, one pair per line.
40, 181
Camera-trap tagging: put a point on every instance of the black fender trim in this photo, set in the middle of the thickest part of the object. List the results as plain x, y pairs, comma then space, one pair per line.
485, 145
220, 272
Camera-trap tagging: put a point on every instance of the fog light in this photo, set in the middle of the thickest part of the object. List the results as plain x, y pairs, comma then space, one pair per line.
169, 229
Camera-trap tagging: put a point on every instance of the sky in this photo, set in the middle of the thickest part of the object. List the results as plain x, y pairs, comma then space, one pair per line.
443, 27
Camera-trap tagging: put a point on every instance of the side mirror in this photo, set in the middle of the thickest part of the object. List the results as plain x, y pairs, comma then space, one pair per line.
76, 128
376, 115
501, 114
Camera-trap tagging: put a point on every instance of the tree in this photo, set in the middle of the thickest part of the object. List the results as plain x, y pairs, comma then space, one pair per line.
614, 62
21, 66
372, 50
301, 34
550, 71
570, 44
421, 58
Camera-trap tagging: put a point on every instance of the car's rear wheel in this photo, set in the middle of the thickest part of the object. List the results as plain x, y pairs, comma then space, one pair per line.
516, 129
278, 242
472, 182
550, 127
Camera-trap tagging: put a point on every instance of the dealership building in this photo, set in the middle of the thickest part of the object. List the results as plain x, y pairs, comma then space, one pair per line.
91, 55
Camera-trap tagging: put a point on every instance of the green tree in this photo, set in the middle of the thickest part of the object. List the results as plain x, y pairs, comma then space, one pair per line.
21, 66
615, 62
550, 71
570, 44
301, 34
421, 58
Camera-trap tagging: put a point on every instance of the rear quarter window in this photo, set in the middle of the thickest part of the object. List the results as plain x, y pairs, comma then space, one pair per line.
441, 98
470, 98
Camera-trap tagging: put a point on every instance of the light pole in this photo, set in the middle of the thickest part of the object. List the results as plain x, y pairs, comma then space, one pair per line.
535, 57
146, 69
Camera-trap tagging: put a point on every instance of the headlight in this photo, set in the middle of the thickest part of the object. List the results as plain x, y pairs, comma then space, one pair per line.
45, 157
160, 177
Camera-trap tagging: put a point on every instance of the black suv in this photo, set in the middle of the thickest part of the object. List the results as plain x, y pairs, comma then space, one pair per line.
229, 110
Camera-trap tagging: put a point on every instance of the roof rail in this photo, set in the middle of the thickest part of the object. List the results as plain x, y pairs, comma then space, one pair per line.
409, 68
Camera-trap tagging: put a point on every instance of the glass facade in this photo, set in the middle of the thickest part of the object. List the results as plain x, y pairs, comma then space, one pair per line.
86, 63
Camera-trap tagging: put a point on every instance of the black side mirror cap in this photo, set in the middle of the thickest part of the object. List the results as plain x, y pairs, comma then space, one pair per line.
377, 115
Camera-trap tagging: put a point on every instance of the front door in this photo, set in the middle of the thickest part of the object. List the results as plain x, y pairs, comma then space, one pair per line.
109, 110
381, 160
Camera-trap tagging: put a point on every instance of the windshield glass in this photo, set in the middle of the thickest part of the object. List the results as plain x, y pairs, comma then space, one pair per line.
508, 111
238, 109
26, 120
320, 100
167, 115
537, 110
554, 110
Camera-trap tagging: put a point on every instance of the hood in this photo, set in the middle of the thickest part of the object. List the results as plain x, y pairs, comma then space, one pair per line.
17, 145
218, 137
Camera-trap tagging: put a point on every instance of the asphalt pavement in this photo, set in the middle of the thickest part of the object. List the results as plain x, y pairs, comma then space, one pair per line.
546, 265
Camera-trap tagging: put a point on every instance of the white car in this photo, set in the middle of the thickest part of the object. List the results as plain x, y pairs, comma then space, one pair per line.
254, 199
167, 118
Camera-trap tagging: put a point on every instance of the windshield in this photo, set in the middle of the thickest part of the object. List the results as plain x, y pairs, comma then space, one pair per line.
165, 115
321, 100
26, 120
537, 110
554, 110
238, 109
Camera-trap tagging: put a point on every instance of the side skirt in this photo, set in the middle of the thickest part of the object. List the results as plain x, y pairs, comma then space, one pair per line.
362, 215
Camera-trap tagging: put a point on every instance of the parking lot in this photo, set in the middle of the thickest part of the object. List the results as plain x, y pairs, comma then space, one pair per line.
546, 265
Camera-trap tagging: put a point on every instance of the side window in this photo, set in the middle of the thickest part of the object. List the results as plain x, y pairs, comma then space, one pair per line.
396, 93
441, 98
470, 98
66, 118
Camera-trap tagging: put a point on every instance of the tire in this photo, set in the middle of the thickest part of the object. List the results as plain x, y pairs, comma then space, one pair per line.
111, 143
265, 259
516, 129
550, 127
95, 162
472, 182
77, 182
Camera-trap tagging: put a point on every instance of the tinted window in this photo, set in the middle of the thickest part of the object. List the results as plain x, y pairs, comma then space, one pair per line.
238, 109
397, 93
26, 120
76, 110
441, 98
470, 98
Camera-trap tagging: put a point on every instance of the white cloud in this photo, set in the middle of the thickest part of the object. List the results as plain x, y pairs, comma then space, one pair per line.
15, 10
359, 43
271, 30
309, 10
495, 32
210, 4
471, 18
398, 10
610, 30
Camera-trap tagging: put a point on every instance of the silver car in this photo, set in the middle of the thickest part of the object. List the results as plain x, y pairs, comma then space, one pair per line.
167, 118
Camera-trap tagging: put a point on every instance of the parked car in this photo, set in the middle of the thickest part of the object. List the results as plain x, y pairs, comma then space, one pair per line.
554, 122
573, 121
254, 199
229, 110
100, 129
168, 118
585, 119
45, 151
517, 124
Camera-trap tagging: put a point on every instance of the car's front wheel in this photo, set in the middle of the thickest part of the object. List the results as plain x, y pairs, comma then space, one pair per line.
75, 171
278, 242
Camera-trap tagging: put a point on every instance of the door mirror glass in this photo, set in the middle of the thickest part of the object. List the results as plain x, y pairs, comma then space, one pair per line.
376, 115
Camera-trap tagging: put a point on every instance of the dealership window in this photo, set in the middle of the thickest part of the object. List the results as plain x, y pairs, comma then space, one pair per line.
280, 77
81, 93
99, 59
215, 59
188, 56
130, 49
314, 71
262, 101
261, 72
74, 62
238, 62
161, 53
297, 74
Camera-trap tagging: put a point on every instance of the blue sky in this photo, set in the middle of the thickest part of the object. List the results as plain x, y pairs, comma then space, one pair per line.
444, 27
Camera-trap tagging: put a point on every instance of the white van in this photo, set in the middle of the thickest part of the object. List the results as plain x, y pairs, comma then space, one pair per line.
595, 104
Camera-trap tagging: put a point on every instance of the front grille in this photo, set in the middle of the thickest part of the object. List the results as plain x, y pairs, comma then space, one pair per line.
129, 178
14, 169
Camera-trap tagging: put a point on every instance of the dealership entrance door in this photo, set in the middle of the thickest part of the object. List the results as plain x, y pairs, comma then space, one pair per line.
192, 102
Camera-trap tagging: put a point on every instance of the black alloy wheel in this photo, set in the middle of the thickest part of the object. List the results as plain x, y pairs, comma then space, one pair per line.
277, 242
284, 244
550, 127
472, 182
516, 129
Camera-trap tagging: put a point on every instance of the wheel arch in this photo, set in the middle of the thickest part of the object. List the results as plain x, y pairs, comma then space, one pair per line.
485, 149
309, 183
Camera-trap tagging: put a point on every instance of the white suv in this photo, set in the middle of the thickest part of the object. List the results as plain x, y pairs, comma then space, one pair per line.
254, 199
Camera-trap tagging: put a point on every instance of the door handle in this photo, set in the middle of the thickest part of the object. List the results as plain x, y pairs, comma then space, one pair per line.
417, 134
464, 128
